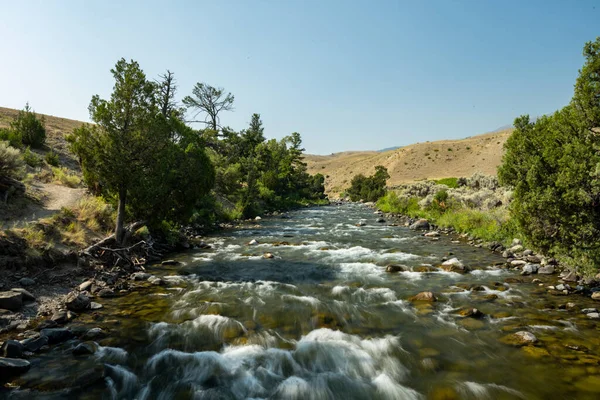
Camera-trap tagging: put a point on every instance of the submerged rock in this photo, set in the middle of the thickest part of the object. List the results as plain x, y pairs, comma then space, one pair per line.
12, 367
432, 234
26, 282
85, 348
424, 296
139, 276
170, 262
470, 312
520, 338
94, 333
395, 268
253, 242
454, 265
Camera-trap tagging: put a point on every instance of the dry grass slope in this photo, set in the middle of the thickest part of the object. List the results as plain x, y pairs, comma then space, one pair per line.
430, 160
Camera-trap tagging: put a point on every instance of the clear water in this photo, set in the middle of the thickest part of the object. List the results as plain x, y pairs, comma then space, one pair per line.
323, 320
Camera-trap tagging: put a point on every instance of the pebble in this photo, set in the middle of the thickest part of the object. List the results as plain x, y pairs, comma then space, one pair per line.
26, 282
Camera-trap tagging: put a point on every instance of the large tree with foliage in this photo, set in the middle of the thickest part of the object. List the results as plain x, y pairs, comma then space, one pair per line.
554, 167
140, 153
369, 188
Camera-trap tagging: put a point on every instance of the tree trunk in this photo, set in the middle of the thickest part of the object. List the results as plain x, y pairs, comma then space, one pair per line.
119, 231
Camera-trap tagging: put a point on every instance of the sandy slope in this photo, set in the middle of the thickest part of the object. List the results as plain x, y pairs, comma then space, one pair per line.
429, 160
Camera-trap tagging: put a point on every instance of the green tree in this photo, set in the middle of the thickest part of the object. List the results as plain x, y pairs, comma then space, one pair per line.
369, 188
554, 167
29, 128
128, 134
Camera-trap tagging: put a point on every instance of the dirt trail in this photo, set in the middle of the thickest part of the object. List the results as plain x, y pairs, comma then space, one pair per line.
55, 197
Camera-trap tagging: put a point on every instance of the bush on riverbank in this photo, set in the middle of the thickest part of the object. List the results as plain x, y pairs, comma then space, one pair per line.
478, 212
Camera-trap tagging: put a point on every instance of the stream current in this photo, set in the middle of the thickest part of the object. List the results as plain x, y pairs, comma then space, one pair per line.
323, 320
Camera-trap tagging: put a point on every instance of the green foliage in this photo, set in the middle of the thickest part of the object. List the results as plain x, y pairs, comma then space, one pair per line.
63, 176
554, 167
450, 182
11, 136
369, 188
31, 159
52, 159
11, 163
29, 128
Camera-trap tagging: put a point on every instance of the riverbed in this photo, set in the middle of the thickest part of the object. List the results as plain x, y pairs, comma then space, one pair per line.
323, 320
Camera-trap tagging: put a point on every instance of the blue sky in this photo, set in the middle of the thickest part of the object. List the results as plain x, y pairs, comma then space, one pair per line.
347, 75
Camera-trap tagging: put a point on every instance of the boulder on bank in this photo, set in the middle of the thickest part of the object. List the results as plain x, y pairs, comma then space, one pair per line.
420, 225
454, 265
529, 269
11, 349
77, 301
11, 300
35, 344
546, 270
424, 296
25, 294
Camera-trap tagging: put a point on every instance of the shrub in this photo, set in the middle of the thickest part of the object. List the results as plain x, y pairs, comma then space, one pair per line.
29, 128
10, 136
31, 159
63, 176
52, 158
450, 182
11, 163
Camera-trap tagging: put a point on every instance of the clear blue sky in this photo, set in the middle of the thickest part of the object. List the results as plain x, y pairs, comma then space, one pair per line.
347, 75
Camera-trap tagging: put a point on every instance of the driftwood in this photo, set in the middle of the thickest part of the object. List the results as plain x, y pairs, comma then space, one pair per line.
136, 255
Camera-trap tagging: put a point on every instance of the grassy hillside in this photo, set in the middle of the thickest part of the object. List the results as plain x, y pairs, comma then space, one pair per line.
429, 160
56, 129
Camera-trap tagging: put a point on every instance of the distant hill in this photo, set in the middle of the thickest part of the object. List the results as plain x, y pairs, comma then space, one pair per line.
431, 160
389, 149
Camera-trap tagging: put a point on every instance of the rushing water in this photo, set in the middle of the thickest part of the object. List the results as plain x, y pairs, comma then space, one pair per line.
323, 320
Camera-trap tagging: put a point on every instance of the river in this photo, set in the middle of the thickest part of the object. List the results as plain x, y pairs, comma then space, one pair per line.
323, 320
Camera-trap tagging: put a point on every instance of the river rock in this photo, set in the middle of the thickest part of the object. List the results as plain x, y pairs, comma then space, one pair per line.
85, 348
470, 312
593, 315
257, 218
518, 263
570, 277
420, 225
268, 255
380, 220
95, 306
424, 296
454, 265
60, 317
516, 249
11, 300
520, 338
516, 242
140, 276
94, 333
560, 287
596, 296
85, 286
432, 234
35, 344
529, 269
589, 310
25, 294
26, 282
527, 252
77, 301
546, 270
253, 242
395, 268
534, 259
12, 367
12, 349
170, 262
56, 335
106, 292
